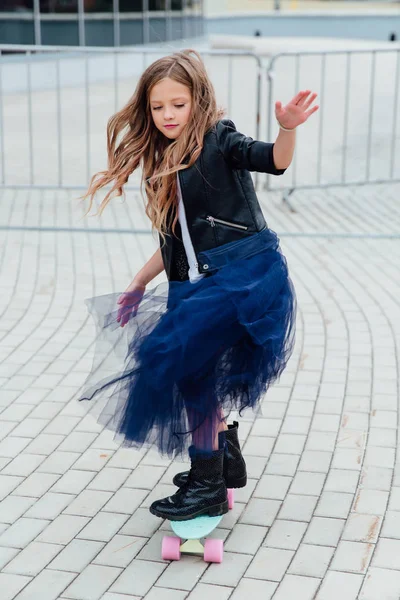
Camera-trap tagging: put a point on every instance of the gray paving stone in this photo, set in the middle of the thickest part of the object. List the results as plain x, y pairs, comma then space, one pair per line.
364, 528
152, 549
342, 480
258, 446
33, 558
285, 534
266, 427
59, 462
138, 577
46, 410
63, 529
76, 556
141, 524
311, 561
92, 583
126, 458
145, 477
373, 502
296, 586
13, 507
49, 506
334, 504
10, 585
159, 593
298, 507
120, 551
349, 585
73, 482
378, 580
93, 460
103, 527
88, 503
290, 443
6, 555
11, 446
44, 443
260, 512
111, 596
380, 457
30, 428
307, 483
382, 437
182, 576
211, 592
315, 461
109, 479
255, 466
352, 557
48, 585
125, 500
347, 458
387, 554
274, 487
270, 564
243, 495
324, 531
245, 539
282, 464
36, 485
22, 532
254, 588
229, 572
7, 484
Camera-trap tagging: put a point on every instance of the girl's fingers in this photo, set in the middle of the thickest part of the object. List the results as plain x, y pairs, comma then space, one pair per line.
311, 111
304, 99
310, 101
299, 99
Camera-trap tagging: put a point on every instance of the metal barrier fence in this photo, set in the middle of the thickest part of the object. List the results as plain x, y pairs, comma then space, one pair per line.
55, 103
353, 138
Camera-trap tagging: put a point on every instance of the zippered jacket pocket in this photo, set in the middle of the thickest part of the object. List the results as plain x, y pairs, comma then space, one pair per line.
214, 220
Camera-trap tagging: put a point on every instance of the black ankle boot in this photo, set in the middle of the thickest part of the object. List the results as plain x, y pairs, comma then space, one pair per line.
204, 492
234, 471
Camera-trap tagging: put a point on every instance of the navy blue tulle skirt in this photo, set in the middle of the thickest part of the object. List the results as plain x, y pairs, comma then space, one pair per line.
192, 352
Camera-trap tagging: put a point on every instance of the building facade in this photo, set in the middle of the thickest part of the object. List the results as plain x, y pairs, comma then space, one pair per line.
99, 22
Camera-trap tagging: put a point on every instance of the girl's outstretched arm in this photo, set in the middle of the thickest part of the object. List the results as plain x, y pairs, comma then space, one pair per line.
289, 117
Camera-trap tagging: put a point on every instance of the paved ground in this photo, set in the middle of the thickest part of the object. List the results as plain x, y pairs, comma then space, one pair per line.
321, 513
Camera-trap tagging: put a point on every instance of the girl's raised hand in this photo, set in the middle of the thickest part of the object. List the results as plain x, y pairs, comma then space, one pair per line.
297, 111
129, 302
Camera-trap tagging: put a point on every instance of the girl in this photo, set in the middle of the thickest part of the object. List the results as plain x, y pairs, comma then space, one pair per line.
221, 331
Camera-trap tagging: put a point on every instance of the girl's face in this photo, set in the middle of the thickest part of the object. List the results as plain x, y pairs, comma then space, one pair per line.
170, 104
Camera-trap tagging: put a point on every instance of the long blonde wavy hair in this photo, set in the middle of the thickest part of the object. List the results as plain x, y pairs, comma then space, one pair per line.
134, 141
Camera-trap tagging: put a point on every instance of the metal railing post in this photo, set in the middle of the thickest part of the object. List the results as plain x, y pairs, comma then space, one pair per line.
81, 23
37, 23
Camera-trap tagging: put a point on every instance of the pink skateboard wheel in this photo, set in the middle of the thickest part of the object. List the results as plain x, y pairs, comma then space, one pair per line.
171, 548
213, 551
231, 498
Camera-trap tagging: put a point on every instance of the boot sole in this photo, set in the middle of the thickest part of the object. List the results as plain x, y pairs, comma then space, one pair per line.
212, 511
237, 483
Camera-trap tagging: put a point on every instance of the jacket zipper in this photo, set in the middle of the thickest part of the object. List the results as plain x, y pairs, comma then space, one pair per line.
213, 220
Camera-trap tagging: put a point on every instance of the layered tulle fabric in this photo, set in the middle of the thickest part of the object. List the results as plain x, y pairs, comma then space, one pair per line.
192, 352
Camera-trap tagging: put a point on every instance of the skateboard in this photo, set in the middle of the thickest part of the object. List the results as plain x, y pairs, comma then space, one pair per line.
189, 536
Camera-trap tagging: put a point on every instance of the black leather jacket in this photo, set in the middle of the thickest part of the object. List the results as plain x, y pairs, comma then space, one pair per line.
218, 194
